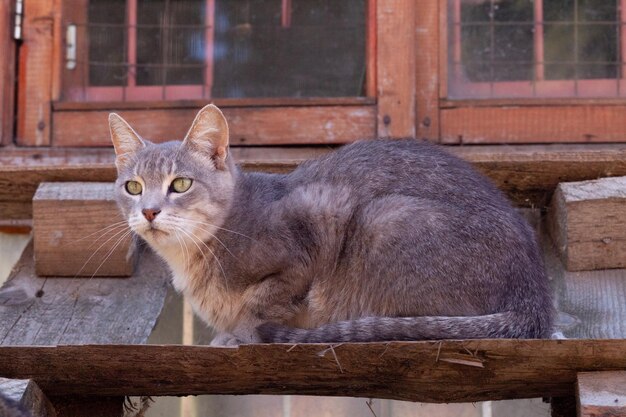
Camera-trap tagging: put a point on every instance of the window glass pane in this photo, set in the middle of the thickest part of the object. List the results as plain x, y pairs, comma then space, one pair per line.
321, 53
539, 48
107, 61
217, 48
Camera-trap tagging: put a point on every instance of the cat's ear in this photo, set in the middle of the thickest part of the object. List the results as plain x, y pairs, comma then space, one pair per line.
125, 140
209, 134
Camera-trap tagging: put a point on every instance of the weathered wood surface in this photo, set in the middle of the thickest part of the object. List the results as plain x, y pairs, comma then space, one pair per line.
590, 303
395, 67
79, 231
586, 221
601, 394
534, 124
447, 371
28, 395
427, 49
44, 311
248, 125
7, 71
36, 67
528, 174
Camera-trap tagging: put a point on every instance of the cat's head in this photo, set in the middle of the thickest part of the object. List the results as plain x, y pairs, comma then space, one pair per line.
175, 193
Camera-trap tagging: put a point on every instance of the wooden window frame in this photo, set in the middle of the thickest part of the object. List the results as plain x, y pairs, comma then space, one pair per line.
7, 72
539, 87
387, 111
134, 92
503, 120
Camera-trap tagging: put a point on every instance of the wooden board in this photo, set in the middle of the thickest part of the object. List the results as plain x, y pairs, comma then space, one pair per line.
28, 395
248, 125
601, 394
35, 73
7, 71
427, 69
528, 174
586, 222
46, 311
526, 124
395, 70
446, 371
80, 232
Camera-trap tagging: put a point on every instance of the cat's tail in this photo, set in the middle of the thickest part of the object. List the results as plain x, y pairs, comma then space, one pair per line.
378, 329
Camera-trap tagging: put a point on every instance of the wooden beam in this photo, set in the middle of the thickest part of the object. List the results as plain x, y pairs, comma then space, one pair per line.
528, 174
68, 217
395, 64
35, 73
248, 125
27, 395
601, 394
7, 71
439, 371
586, 223
527, 124
427, 70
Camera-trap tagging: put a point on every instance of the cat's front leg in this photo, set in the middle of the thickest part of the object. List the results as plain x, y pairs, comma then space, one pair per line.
242, 335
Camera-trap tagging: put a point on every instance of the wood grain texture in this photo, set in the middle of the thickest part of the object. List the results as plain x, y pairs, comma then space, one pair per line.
28, 395
35, 73
446, 371
396, 67
44, 311
248, 126
601, 394
79, 231
586, 221
526, 124
427, 69
7, 72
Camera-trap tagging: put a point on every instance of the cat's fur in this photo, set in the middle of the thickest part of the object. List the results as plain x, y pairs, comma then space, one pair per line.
380, 240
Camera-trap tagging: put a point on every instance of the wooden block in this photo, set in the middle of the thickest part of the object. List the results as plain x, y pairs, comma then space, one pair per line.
28, 396
601, 394
78, 231
587, 221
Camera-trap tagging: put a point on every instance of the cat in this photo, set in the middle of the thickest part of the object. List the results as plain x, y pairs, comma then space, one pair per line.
380, 240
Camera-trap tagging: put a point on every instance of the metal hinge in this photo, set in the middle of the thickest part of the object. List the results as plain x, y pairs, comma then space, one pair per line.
19, 17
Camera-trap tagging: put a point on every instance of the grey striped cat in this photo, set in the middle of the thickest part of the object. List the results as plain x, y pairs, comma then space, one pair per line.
380, 240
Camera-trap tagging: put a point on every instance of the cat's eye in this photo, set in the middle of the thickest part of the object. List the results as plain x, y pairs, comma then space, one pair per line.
133, 187
180, 185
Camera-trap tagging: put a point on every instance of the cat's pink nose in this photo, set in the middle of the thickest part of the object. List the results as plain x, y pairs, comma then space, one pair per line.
150, 214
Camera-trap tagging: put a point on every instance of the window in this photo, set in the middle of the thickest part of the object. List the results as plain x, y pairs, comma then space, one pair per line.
540, 48
128, 50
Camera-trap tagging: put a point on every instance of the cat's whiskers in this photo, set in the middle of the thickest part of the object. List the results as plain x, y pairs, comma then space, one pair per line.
108, 255
106, 229
116, 234
217, 227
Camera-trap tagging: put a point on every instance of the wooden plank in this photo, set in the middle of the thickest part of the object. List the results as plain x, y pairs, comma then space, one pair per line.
586, 223
396, 68
601, 394
220, 102
26, 394
7, 71
515, 124
427, 69
44, 311
35, 73
79, 231
248, 126
436, 371
528, 174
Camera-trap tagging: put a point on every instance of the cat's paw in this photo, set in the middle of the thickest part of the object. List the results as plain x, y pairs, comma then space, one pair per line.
225, 340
